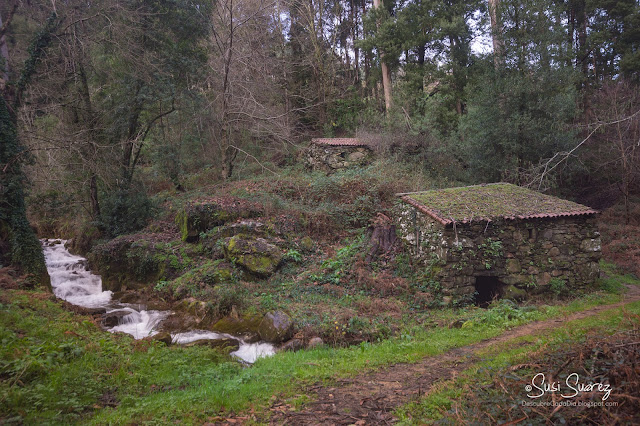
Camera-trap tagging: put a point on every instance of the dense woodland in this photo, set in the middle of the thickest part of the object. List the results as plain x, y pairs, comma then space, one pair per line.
104, 101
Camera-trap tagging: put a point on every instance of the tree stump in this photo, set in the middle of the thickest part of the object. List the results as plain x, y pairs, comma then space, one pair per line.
383, 237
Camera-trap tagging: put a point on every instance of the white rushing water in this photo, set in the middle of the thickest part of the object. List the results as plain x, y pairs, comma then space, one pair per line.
70, 278
139, 323
248, 352
72, 281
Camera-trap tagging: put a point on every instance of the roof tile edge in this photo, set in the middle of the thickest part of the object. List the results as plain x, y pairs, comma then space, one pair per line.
406, 197
424, 209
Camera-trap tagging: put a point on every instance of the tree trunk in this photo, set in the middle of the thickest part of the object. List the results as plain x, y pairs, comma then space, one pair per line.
26, 250
229, 153
571, 19
89, 120
354, 36
93, 194
132, 130
4, 50
583, 56
386, 74
496, 33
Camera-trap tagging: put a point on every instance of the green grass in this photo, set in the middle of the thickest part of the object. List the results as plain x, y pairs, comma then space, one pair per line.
437, 404
59, 367
56, 367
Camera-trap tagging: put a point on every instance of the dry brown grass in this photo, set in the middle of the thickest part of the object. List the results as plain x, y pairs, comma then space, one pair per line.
611, 360
621, 240
375, 305
382, 283
9, 279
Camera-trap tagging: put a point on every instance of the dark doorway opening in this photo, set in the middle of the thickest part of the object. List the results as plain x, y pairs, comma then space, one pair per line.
487, 290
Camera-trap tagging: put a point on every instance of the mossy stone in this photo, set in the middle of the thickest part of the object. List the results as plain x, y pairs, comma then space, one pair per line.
276, 327
256, 255
307, 244
226, 345
163, 337
514, 293
238, 326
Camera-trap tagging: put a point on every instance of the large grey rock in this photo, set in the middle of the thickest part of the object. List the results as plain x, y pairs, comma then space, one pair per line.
112, 319
276, 327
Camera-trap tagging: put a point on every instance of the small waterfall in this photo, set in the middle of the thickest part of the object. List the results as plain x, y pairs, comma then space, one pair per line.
248, 352
70, 278
139, 324
194, 335
72, 281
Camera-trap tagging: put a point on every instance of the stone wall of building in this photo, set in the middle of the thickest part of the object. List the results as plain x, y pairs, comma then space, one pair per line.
527, 256
330, 158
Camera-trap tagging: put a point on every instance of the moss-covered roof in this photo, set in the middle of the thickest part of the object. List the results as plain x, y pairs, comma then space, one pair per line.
491, 201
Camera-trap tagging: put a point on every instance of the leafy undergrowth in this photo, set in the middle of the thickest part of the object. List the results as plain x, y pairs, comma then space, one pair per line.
574, 359
323, 206
621, 240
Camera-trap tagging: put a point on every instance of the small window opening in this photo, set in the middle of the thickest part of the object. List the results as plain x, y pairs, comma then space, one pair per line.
532, 234
488, 289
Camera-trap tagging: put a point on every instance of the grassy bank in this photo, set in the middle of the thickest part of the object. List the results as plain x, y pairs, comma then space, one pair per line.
60, 367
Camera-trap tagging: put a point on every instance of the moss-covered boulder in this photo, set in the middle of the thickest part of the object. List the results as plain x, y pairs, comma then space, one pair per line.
188, 314
256, 255
276, 327
246, 326
84, 238
226, 345
209, 281
131, 262
202, 215
163, 337
253, 227
123, 265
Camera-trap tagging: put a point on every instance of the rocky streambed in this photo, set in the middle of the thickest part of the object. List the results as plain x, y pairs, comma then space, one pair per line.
72, 281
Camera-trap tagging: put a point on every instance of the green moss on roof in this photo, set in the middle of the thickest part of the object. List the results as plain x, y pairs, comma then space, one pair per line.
491, 201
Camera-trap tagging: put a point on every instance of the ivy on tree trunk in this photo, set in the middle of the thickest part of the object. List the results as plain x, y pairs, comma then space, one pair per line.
24, 248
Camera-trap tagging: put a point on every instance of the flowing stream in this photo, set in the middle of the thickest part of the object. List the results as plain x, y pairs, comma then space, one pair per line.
72, 281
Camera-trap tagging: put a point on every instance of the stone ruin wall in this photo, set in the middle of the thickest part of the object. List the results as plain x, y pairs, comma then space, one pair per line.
329, 158
523, 255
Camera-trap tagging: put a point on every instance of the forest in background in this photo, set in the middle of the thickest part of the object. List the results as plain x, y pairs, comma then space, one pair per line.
109, 102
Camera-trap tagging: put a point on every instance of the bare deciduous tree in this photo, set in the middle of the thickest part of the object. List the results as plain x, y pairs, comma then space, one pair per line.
248, 70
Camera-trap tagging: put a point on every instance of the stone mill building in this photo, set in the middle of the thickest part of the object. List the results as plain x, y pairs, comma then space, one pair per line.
500, 240
333, 154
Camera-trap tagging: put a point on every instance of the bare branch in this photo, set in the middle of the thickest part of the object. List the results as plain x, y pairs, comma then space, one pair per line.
549, 165
255, 159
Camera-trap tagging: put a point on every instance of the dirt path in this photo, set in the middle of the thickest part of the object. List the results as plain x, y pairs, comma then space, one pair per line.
371, 398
